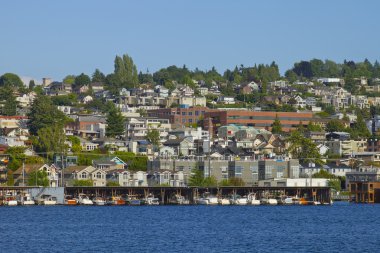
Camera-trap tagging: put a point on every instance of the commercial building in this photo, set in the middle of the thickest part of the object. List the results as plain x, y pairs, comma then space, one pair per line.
182, 116
213, 119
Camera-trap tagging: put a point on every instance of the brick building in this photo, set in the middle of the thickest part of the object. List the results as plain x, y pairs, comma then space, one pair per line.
213, 119
182, 116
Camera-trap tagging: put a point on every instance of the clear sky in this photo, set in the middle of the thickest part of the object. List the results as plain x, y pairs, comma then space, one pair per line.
55, 38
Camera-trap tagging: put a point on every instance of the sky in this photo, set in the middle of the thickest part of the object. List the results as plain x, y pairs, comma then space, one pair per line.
44, 38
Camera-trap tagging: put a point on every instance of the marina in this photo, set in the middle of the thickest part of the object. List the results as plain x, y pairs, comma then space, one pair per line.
136, 196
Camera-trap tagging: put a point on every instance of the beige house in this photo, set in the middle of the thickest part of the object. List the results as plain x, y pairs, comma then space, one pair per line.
97, 176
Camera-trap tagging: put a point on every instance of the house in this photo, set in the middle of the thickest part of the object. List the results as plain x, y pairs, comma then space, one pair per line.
21, 175
128, 178
72, 173
97, 87
311, 101
295, 182
299, 102
107, 164
226, 100
182, 146
88, 145
87, 99
167, 177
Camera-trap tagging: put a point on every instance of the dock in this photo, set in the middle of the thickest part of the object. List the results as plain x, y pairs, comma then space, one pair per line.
164, 193
364, 192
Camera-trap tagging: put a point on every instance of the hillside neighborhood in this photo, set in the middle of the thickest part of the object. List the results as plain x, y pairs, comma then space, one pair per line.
315, 126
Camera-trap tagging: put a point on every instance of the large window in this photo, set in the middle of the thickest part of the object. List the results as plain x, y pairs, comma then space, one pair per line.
83, 175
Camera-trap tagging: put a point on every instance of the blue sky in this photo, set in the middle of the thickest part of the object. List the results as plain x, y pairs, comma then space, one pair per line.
55, 38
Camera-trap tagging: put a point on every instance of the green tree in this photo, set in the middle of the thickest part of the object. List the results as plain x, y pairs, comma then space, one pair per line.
153, 136
112, 184
10, 178
50, 139
32, 84
10, 106
83, 182
82, 80
196, 178
125, 71
115, 123
276, 126
44, 114
335, 125
11, 80
360, 128
98, 76
313, 127
69, 79
303, 148
75, 144
38, 178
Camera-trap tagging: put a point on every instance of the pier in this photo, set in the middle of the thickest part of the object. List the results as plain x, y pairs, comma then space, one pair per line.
365, 192
164, 193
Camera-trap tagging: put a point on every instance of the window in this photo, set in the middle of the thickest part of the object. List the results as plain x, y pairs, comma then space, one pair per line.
83, 175
238, 171
98, 175
183, 120
190, 113
183, 113
190, 120
196, 113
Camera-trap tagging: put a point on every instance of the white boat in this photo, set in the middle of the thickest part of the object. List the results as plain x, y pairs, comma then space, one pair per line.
26, 200
46, 200
288, 201
224, 202
151, 200
207, 199
252, 199
269, 201
99, 201
238, 200
178, 199
83, 199
10, 200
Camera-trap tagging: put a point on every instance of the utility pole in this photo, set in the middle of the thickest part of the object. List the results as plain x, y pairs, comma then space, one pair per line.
23, 172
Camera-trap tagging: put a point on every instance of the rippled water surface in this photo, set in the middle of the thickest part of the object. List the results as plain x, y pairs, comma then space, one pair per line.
342, 227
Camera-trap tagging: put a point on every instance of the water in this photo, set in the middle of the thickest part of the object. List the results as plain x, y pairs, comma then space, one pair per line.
342, 227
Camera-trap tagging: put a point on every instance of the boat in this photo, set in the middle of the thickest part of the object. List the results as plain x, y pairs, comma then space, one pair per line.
238, 200
224, 201
151, 200
46, 200
83, 199
207, 199
26, 200
134, 200
99, 201
178, 199
70, 201
10, 200
288, 201
252, 199
268, 201
116, 201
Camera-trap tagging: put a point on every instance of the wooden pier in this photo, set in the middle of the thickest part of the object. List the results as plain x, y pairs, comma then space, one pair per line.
164, 193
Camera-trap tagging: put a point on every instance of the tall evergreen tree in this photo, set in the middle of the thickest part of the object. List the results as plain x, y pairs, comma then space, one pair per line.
115, 123
10, 106
276, 126
44, 114
98, 76
125, 71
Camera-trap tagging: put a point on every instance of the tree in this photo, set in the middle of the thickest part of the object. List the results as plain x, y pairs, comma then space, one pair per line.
50, 139
11, 80
335, 125
75, 144
115, 123
38, 178
196, 178
112, 184
98, 76
69, 79
10, 106
125, 71
32, 84
360, 128
153, 136
313, 127
87, 182
82, 80
44, 114
276, 126
303, 148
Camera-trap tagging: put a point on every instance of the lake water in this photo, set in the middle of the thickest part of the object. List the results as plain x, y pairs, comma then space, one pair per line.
342, 227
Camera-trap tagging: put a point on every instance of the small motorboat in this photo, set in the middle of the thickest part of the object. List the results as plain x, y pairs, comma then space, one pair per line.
26, 200
46, 200
252, 199
239, 200
151, 200
224, 201
70, 201
207, 199
178, 199
99, 201
83, 199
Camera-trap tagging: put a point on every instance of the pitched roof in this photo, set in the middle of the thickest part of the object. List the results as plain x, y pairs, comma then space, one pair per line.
28, 168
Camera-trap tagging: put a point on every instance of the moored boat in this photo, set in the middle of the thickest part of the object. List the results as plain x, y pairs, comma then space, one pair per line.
207, 199
252, 199
99, 201
224, 201
239, 200
26, 200
46, 200
151, 200
83, 199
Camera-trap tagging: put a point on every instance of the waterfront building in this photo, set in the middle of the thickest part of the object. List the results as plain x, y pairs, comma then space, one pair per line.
21, 175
